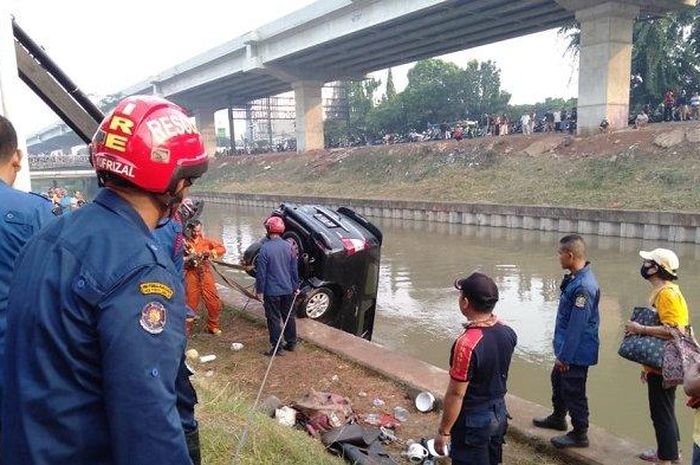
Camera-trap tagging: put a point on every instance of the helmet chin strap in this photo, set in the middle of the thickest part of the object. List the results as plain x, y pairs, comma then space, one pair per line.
169, 203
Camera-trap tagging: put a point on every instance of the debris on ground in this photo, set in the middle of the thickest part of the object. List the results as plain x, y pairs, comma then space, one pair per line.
286, 416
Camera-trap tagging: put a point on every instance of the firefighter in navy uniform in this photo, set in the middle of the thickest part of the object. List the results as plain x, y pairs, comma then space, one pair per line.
21, 216
96, 318
169, 235
576, 345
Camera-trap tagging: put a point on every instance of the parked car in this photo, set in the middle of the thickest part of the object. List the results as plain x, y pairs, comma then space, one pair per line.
339, 254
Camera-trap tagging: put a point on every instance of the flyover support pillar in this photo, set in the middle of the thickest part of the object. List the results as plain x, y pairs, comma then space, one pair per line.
204, 118
605, 64
309, 115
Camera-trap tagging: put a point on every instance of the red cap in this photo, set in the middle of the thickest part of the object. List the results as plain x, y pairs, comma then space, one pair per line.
274, 225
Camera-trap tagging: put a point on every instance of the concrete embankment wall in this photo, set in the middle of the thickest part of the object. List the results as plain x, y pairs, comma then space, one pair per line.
606, 448
665, 226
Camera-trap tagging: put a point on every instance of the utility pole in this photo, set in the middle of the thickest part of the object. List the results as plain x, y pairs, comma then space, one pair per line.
231, 129
269, 121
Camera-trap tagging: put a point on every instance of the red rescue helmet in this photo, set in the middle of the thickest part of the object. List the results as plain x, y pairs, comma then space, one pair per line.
150, 143
274, 225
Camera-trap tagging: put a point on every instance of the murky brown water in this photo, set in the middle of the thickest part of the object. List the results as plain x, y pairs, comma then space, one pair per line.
418, 312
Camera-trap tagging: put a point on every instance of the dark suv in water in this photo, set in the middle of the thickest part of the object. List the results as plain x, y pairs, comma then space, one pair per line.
339, 254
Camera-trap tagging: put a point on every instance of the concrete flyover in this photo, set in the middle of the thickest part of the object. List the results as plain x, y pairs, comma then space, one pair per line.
341, 39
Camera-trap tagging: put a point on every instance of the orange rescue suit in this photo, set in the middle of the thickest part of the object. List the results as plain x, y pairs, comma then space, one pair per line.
199, 277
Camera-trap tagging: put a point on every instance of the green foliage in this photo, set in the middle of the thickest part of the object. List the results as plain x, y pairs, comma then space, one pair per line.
225, 412
437, 91
548, 104
390, 87
434, 93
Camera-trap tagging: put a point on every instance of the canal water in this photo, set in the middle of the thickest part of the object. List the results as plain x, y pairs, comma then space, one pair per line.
418, 313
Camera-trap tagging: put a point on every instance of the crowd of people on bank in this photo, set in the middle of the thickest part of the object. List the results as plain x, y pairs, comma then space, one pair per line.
95, 309
531, 122
681, 106
63, 200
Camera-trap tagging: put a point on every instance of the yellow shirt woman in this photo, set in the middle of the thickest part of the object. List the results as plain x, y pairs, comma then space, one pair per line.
671, 306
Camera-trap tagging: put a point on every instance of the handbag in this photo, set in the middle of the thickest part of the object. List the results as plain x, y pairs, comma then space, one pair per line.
647, 350
679, 353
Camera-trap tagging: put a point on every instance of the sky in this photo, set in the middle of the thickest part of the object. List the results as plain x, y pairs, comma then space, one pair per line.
108, 48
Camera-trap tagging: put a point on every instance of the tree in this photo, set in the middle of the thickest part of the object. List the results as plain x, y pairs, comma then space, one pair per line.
361, 102
435, 93
483, 89
390, 88
360, 95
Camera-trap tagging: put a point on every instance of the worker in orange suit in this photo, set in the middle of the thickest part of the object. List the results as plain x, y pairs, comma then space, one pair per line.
199, 276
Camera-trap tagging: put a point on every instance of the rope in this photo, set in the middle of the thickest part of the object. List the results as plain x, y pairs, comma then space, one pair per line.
233, 265
233, 284
244, 436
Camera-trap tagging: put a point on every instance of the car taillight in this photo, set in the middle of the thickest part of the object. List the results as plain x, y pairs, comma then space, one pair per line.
353, 246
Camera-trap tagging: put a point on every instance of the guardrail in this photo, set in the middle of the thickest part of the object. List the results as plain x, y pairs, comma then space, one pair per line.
49, 162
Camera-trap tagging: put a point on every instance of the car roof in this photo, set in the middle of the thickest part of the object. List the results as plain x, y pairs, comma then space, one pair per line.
330, 223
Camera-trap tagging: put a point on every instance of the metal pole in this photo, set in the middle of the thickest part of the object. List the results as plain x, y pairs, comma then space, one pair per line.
269, 121
9, 87
231, 130
249, 125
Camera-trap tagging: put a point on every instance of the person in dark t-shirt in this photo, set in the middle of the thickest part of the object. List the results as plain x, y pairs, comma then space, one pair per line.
474, 420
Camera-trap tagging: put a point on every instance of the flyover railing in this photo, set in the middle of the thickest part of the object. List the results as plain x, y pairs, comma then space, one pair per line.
51, 162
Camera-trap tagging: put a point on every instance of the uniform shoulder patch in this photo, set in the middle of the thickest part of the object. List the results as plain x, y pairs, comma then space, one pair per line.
153, 317
581, 300
156, 288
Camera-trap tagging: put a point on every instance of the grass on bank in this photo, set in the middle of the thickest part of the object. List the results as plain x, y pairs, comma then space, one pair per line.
222, 412
628, 176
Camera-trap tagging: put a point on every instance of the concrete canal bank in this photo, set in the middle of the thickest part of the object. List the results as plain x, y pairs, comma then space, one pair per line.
664, 226
606, 448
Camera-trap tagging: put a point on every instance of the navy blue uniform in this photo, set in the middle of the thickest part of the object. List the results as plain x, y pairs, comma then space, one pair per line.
21, 216
170, 237
576, 344
95, 339
481, 357
277, 277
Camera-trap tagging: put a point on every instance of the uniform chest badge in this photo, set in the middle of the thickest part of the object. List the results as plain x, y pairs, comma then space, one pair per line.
153, 317
152, 287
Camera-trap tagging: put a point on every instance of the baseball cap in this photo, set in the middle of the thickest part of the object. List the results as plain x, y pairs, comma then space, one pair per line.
665, 258
478, 287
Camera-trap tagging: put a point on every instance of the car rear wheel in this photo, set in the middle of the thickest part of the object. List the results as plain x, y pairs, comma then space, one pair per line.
319, 305
295, 241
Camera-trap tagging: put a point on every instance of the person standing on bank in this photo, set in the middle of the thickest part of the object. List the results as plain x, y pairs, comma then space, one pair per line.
96, 317
21, 216
660, 269
475, 419
276, 283
576, 345
199, 275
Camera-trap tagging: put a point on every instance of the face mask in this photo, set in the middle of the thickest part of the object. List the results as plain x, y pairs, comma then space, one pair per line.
645, 272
